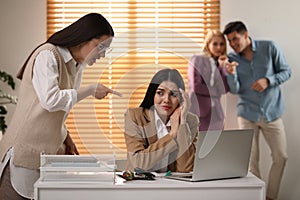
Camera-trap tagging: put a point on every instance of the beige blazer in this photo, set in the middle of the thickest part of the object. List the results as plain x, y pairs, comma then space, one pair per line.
144, 149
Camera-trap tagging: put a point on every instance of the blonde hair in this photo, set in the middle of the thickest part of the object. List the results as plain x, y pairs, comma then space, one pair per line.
208, 37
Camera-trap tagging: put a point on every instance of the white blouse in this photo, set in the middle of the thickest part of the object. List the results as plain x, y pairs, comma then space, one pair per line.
161, 132
45, 81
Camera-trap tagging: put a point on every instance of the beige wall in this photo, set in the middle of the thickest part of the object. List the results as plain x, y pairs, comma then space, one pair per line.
23, 26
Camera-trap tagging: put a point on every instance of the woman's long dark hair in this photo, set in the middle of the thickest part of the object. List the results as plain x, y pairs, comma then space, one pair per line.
163, 75
92, 25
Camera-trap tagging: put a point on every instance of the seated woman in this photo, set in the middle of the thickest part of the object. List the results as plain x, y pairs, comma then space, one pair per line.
161, 134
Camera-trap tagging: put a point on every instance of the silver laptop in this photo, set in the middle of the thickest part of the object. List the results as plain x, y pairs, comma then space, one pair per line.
220, 155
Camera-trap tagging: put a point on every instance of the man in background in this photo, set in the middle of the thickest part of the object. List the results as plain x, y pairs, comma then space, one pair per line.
261, 69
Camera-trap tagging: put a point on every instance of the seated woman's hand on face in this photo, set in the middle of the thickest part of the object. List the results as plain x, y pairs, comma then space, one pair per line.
175, 122
179, 115
185, 105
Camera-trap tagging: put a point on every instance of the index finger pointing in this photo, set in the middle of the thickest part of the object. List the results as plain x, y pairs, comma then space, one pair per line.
116, 93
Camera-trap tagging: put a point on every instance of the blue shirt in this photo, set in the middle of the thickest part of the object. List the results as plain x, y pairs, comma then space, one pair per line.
268, 61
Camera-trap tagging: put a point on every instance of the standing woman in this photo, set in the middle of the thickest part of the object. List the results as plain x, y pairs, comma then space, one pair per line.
161, 134
49, 89
207, 81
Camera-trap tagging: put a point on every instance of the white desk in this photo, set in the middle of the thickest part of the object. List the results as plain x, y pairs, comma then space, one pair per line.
247, 188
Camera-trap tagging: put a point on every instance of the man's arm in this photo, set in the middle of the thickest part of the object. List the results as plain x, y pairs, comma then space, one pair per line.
282, 70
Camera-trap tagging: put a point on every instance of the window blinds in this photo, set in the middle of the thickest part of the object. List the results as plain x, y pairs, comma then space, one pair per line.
149, 35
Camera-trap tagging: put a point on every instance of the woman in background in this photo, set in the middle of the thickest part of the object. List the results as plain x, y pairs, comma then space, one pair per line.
207, 81
51, 78
161, 134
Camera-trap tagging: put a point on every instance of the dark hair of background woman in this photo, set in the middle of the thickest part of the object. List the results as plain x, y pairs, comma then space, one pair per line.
163, 75
88, 27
